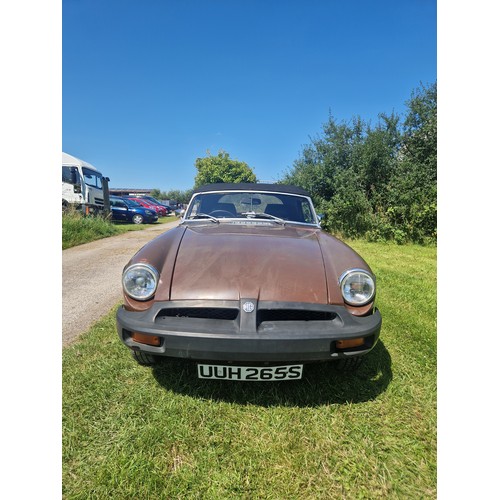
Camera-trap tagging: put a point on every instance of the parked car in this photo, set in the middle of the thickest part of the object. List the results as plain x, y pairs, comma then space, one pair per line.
154, 201
249, 287
125, 210
161, 211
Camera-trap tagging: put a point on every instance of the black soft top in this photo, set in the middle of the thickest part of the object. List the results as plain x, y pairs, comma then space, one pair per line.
247, 186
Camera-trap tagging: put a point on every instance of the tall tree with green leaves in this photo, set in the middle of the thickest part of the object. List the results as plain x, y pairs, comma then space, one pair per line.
222, 168
376, 181
413, 187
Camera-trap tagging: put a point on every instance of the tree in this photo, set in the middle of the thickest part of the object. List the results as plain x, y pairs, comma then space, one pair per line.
413, 187
380, 181
222, 168
331, 170
174, 194
178, 195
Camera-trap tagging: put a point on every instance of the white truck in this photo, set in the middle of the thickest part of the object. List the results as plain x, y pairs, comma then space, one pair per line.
83, 186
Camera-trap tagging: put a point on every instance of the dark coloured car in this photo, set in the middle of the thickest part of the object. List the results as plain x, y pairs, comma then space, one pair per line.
250, 287
125, 210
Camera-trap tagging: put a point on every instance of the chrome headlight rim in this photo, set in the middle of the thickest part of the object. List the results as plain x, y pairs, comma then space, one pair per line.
343, 278
148, 268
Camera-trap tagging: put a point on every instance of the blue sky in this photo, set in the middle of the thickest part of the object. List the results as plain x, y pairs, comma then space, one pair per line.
150, 86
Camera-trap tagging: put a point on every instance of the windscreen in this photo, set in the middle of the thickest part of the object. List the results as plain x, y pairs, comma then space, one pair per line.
92, 178
252, 205
132, 203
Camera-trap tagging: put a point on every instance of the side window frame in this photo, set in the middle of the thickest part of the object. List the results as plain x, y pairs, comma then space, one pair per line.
70, 175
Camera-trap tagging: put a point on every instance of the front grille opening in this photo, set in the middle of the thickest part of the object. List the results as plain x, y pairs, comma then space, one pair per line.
273, 315
200, 313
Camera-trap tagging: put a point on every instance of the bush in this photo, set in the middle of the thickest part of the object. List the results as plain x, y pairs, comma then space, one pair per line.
376, 182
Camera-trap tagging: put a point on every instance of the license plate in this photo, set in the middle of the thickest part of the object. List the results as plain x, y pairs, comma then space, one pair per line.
257, 373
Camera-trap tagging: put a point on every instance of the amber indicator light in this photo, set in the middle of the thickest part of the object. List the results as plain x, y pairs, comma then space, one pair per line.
346, 344
146, 339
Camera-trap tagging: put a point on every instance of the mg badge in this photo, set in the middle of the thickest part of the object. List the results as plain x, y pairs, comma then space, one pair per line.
248, 307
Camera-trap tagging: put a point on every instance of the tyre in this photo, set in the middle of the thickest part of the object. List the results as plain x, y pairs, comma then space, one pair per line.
137, 219
144, 358
348, 364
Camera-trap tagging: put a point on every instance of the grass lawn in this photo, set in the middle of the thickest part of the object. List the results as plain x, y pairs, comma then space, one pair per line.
77, 230
136, 432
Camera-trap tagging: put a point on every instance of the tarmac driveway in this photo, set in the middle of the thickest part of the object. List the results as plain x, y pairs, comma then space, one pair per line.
91, 277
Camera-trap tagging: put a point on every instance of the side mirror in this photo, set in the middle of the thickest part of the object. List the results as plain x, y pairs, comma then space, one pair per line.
77, 188
321, 219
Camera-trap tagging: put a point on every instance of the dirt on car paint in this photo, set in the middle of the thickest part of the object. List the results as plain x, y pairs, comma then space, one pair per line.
91, 277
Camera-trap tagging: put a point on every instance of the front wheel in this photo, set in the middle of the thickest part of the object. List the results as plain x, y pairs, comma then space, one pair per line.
137, 219
144, 358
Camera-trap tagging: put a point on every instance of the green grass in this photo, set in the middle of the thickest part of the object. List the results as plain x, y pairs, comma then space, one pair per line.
77, 230
135, 432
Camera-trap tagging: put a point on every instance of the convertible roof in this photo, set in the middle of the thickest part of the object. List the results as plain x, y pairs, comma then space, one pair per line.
245, 186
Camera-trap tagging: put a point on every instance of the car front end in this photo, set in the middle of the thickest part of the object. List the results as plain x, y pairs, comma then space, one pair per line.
148, 216
248, 287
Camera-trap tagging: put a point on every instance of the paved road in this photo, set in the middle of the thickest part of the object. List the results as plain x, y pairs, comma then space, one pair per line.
91, 277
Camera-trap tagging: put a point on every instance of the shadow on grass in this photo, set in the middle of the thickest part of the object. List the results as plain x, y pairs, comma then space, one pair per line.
321, 383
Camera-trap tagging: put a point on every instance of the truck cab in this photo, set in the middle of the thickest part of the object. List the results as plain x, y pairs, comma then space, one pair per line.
83, 186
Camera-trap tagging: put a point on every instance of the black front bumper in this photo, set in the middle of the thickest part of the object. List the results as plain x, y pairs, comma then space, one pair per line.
271, 332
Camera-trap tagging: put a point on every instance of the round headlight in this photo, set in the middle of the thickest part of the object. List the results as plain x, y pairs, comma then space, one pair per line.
358, 287
140, 281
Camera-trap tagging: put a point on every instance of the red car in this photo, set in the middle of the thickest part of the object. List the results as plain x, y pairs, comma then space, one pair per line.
161, 211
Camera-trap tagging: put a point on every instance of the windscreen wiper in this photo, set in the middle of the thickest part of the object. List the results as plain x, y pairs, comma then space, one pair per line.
204, 216
264, 216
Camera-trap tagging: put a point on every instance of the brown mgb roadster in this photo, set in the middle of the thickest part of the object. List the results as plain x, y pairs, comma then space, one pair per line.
249, 287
